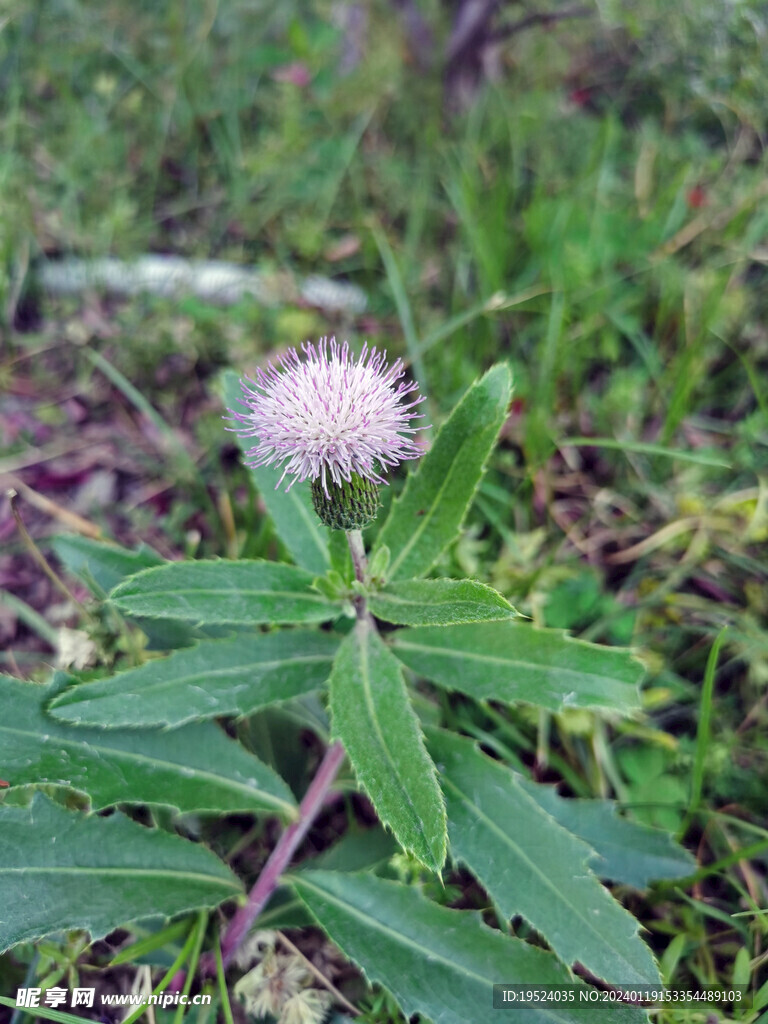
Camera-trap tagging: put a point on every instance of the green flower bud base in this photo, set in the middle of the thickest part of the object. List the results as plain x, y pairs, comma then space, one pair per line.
352, 506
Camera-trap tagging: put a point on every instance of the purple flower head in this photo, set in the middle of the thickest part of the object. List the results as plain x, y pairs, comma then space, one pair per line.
330, 416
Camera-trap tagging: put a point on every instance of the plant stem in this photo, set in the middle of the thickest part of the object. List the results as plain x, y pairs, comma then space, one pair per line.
281, 856
310, 807
357, 550
360, 563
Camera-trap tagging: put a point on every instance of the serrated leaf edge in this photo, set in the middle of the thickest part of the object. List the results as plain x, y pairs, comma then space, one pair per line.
364, 630
423, 525
378, 926
288, 810
58, 700
504, 613
116, 598
428, 954
589, 852
562, 634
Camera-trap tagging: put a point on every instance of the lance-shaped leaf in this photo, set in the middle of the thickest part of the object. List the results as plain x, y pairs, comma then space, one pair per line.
218, 677
291, 511
219, 592
510, 661
438, 603
530, 865
196, 768
60, 871
102, 564
428, 515
372, 716
439, 963
625, 851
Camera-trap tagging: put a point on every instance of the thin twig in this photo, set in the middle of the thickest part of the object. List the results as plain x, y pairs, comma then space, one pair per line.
471, 27
69, 519
40, 558
326, 982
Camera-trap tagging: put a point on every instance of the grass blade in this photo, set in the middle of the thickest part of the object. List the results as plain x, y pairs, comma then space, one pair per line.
404, 311
644, 448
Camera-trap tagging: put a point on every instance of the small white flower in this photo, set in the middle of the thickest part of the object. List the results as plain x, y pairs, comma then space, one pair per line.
330, 416
76, 649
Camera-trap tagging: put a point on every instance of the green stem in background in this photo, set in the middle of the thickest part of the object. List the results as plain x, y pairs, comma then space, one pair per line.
702, 735
199, 933
175, 973
226, 1009
402, 302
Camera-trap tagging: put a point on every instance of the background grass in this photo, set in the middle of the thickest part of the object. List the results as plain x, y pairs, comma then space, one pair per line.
595, 214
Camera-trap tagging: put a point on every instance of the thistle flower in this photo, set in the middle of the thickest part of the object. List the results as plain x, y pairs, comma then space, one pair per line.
338, 421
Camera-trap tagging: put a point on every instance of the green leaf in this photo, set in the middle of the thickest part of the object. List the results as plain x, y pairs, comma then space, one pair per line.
704, 458
532, 866
217, 592
625, 851
510, 661
102, 566
218, 677
196, 768
428, 515
373, 718
60, 871
291, 511
438, 603
341, 557
437, 962
154, 937
106, 565
358, 850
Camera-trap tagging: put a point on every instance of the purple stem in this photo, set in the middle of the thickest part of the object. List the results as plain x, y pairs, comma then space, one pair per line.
281, 856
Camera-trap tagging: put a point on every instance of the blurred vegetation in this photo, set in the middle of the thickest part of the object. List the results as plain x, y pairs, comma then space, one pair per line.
595, 211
